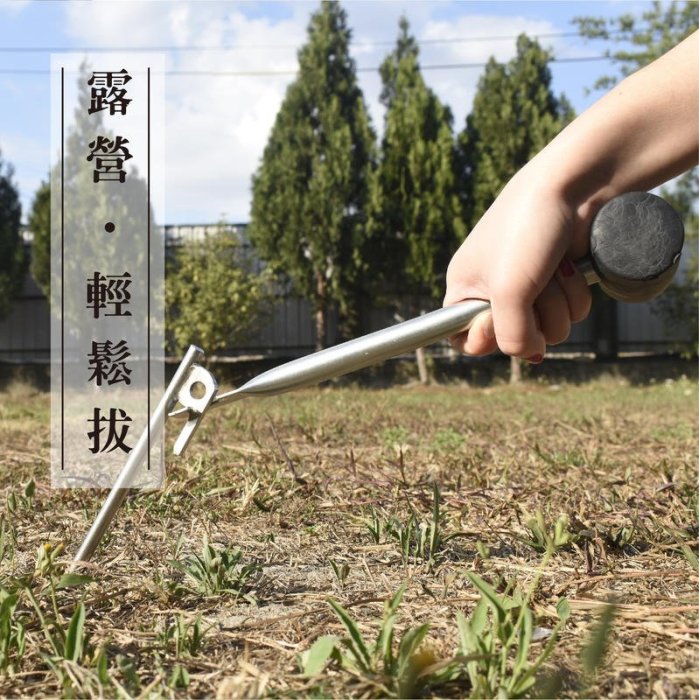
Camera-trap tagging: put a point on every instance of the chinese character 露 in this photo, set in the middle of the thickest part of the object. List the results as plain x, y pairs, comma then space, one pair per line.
109, 158
108, 362
117, 427
110, 289
106, 91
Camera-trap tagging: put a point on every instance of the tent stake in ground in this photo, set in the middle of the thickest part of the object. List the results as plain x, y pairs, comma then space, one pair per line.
635, 244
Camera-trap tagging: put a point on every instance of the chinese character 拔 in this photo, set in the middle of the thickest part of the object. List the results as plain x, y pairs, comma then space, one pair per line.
106, 91
116, 429
109, 156
109, 290
107, 361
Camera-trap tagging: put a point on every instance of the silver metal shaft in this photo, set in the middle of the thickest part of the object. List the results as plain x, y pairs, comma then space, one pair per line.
126, 477
369, 349
365, 351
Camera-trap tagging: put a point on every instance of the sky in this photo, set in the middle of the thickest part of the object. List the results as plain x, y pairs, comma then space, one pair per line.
228, 65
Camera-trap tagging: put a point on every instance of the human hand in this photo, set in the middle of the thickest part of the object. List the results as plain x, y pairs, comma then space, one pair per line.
518, 257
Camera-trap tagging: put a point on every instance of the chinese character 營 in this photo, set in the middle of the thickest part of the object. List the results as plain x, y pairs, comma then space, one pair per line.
106, 93
110, 289
114, 439
107, 362
109, 158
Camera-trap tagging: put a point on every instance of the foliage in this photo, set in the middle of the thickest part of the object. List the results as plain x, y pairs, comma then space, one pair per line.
40, 225
212, 296
546, 536
12, 258
642, 40
398, 673
514, 115
677, 306
88, 207
309, 193
186, 638
218, 570
415, 218
498, 636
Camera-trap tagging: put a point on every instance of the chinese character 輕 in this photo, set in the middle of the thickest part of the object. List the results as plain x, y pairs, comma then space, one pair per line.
110, 289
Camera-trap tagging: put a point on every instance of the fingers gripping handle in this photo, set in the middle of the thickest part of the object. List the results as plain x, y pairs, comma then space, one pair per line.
635, 245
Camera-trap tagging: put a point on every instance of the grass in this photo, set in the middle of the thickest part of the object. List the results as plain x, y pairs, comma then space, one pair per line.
344, 542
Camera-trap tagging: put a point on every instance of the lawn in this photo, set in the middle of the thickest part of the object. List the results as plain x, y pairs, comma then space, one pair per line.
273, 562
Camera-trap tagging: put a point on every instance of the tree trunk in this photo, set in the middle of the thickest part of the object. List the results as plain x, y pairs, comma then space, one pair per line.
321, 312
422, 371
605, 326
515, 370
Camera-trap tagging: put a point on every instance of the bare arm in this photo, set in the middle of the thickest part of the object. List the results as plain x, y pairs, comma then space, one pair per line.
642, 133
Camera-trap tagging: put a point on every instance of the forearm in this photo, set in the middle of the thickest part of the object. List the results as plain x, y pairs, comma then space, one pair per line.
642, 133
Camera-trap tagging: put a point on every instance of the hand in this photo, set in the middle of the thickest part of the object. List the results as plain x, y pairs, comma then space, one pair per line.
518, 257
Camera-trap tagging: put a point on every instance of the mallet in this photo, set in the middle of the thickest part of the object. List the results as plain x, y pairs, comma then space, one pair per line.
635, 245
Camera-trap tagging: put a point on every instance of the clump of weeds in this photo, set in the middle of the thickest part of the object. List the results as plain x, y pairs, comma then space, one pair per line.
217, 570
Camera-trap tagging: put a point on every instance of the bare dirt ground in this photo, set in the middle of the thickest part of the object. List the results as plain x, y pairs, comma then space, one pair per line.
330, 494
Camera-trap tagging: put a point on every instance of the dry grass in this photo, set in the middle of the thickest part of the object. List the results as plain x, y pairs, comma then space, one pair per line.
290, 481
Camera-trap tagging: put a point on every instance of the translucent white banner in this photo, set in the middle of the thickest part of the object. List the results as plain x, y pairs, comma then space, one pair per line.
107, 260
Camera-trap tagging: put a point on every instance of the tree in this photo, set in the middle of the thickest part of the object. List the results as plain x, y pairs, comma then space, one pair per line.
643, 40
40, 225
415, 218
514, 115
310, 191
677, 306
212, 297
658, 30
12, 258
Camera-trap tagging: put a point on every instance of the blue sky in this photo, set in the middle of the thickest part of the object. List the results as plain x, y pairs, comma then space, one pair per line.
216, 125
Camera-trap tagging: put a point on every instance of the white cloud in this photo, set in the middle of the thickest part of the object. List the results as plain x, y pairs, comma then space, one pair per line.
217, 126
13, 7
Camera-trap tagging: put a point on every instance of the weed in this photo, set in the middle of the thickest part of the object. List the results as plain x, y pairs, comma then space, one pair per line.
25, 501
218, 570
186, 638
422, 539
546, 536
377, 525
396, 673
448, 440
12, 633
341, 572
498, 638
394, 436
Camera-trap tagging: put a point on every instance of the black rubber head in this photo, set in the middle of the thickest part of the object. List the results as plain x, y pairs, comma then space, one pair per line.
635, 244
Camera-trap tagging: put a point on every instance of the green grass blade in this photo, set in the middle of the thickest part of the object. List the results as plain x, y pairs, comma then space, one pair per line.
75, 637
490, 595
690, 556
409, 643
357, 644
596, 648
313, 661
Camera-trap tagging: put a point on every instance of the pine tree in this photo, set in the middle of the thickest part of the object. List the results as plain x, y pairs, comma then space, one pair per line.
40, 225
88, 204
310, 190
415, 220
514, 115
415, 216
12, 258
644, 39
